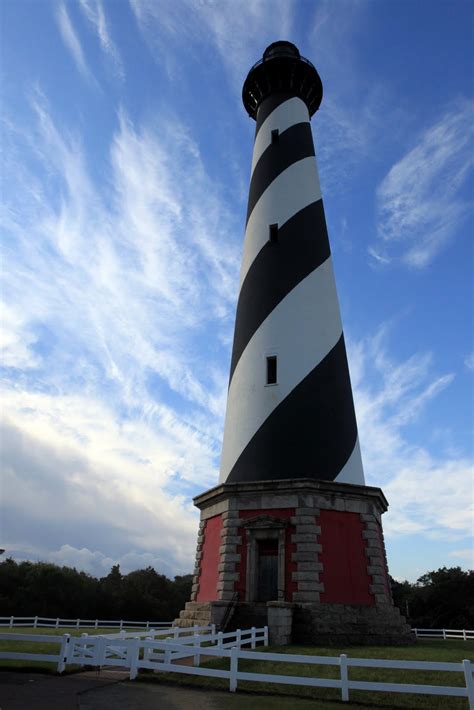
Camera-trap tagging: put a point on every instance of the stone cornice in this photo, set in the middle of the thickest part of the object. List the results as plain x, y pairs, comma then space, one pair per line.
299, 486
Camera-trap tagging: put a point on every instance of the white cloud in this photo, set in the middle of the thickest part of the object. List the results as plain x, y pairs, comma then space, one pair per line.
94, 11
128, 281
99, 565
467, 556
429, 495
71, 40
469, 361
16, 341
239, 30
420, 200
73, 477
354, 114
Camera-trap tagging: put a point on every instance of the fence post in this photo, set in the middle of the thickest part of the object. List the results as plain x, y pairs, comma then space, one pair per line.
464, 634
134, 650
234, 659
344, 677
35, 623
147, 626
238, 637
57, 623
77, 623
252, 638
12, 619
197, 656
121, 624
63, 653
96, 625
100, 651
147, 649
168, 651
265, 635
176, 632
220, 639
468, 669
213, 629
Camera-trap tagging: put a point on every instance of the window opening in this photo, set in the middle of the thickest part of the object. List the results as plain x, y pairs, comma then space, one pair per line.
271, 370
273, 233
275, 135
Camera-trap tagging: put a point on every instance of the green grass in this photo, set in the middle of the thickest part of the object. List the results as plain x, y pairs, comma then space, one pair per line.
287, 697
447, 651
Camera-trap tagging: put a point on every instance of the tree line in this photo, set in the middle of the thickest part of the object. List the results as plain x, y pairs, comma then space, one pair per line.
45, 589
442, 599
439, 599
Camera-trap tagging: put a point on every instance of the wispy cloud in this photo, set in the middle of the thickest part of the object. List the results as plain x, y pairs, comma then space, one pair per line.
71, 40
238, 29
421, 204
353, 115
17, 340
466, 555
127, 277
389, 395
94, 11
469, 361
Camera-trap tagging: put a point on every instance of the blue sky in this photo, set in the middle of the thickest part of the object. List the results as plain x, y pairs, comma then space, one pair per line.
125, 173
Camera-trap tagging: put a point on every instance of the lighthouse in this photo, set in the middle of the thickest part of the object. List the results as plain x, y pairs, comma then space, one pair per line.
291, 536
290, 411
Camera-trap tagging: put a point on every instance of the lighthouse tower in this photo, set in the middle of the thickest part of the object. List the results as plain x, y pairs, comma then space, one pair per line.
291, 536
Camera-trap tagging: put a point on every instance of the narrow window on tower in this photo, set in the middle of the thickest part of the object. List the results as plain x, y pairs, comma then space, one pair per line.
271, 370
273, 233
275, 135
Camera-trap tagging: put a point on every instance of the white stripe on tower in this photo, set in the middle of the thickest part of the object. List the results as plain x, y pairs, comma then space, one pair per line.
285, 115
314, 300
295, 188
304, 424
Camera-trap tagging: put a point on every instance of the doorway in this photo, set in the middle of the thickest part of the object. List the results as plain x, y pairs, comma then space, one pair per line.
267, 580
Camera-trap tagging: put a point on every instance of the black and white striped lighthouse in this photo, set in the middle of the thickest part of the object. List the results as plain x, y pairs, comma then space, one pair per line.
291, 536
289, 410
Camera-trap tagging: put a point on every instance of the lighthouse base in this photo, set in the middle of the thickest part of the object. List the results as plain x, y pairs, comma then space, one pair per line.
307, 557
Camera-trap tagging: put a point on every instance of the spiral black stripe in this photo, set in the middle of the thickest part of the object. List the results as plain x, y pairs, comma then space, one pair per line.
300, 422
269, 105
301, 247
293, 144
311, 434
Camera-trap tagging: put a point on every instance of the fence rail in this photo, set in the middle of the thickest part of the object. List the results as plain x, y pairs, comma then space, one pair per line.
37, 622
134, 652
461, 634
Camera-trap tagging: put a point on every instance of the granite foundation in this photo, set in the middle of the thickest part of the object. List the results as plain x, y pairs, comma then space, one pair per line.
332, 584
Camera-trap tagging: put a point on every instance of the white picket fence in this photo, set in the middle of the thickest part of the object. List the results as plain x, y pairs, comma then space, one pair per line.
36, 622
125, 648
461, 634
150, 650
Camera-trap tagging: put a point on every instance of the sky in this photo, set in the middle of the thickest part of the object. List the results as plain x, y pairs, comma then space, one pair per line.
125, 170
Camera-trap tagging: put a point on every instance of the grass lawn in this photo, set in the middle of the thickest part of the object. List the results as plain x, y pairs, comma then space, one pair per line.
288, 696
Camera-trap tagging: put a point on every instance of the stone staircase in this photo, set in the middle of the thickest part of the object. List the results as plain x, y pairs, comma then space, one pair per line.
247, 615
244, 615
195, 613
